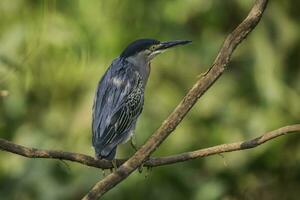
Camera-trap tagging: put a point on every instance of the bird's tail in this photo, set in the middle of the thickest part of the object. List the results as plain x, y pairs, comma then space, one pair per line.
107, 155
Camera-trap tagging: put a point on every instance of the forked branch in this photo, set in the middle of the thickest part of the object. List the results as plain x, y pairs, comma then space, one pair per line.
199, 88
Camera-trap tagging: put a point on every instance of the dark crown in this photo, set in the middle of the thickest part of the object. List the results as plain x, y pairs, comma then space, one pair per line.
137, 46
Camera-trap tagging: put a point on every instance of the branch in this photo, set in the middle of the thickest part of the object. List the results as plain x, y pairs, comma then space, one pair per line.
152, 162
61, 155
237, 146
200, 87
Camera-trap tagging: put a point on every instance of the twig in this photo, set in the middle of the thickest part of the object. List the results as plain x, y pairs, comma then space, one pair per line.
200, 87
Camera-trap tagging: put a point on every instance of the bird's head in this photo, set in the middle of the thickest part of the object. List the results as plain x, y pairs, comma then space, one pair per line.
147, 49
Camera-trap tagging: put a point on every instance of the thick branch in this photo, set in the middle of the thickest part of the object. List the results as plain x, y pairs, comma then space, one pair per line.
200, 87
152, 162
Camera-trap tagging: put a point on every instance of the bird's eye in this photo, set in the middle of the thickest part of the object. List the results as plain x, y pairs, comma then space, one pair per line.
152, 48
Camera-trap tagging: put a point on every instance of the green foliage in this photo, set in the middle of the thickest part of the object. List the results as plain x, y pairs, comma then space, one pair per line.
52, 54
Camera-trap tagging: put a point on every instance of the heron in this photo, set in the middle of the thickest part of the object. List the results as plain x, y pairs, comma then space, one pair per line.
119, 97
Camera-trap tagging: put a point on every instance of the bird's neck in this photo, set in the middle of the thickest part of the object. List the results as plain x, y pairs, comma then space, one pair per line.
138, 60
142, 66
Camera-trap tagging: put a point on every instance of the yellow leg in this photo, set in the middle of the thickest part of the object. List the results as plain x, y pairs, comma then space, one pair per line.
114, 163
133, 144
103, 173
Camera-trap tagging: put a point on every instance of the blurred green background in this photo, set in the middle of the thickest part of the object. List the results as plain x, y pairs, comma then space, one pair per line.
52, 54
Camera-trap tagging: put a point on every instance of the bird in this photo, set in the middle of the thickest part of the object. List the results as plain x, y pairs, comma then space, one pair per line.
119, 97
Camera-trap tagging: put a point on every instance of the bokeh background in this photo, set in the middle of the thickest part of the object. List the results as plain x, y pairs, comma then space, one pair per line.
52, 54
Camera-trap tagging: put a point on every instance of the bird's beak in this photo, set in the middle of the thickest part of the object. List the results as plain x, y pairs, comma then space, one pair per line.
165, 45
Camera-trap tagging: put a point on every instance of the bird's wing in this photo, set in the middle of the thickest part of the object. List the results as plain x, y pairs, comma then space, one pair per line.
118, 103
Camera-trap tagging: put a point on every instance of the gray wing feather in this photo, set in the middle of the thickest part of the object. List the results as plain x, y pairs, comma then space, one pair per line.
117, 105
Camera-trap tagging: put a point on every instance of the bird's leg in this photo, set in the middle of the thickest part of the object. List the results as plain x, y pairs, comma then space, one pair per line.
114, 164
133, 143
103, 172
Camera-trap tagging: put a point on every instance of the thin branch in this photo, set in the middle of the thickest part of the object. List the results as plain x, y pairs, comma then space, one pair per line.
237, 146
62, 155
200, 87
152, 162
